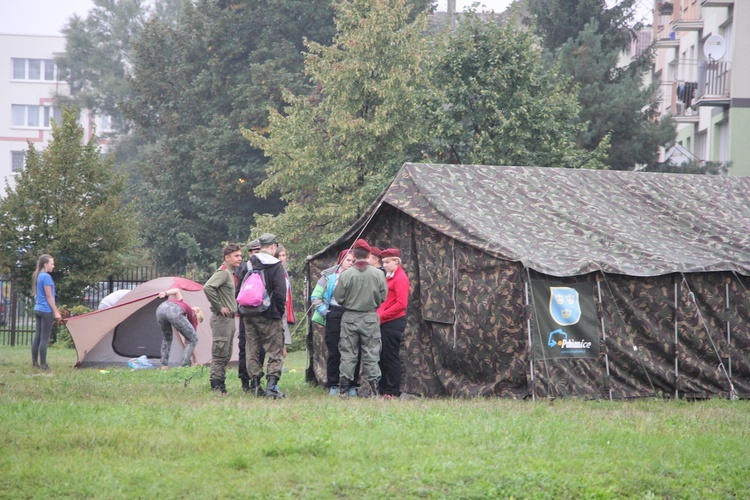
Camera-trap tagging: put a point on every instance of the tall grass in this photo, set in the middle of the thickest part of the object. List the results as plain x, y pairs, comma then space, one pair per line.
122, 433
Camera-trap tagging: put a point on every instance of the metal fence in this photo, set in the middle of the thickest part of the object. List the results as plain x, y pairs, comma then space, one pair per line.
17, 322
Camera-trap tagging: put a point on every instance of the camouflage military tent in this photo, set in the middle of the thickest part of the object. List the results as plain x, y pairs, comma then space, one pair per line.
662, 259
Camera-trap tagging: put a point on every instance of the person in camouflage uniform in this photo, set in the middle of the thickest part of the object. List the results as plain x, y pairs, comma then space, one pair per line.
360, 291
219, 290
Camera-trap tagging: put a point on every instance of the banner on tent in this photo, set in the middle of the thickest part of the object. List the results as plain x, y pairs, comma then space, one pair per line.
566, 320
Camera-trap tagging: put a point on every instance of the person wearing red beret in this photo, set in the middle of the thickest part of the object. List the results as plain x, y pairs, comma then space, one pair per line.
360, 291
374, 258
392, 315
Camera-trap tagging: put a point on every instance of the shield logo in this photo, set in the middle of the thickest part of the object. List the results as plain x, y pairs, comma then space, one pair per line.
564, 306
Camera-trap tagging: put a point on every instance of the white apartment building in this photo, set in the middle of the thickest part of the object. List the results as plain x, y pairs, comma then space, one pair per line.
28, 77
28, 85
704, 85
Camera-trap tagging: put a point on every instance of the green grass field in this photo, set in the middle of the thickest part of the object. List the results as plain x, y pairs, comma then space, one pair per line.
138, 434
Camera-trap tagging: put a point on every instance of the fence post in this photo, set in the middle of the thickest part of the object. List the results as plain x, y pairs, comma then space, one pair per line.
13, 313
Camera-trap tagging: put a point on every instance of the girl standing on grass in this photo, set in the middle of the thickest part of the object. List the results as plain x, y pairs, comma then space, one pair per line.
45, 309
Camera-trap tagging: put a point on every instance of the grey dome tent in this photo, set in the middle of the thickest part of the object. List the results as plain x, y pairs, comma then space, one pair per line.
112, 336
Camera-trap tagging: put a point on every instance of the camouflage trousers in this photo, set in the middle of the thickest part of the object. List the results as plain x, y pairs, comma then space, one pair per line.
222, 331
170, 315
264, 333
360, 333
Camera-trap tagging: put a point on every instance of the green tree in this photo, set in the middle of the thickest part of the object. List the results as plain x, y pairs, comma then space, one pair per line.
196, 83
66, 203
585, 39
97, 63
333, 152
99, 52
558, 21
493, 102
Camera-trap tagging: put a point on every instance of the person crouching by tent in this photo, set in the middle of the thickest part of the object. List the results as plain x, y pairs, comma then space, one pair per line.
392, 314
176, 313
361, 290
219, 290
328, 313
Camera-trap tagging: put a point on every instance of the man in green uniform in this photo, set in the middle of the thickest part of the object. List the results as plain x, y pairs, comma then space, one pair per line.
219, 290
360, 291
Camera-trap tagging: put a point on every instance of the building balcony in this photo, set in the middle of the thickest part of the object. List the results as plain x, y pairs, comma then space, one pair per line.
714, 81
717, 3
664, 37
687, 22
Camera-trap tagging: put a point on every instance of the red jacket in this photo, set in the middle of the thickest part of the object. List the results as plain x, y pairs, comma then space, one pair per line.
395, 303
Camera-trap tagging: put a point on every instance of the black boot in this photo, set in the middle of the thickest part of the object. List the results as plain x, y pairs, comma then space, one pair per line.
245, 384
256, 388
369, 389
272, 388
344, 385
218, 385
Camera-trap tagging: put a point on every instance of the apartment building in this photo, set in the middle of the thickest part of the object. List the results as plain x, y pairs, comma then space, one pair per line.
29, 82
28, 85
703, 85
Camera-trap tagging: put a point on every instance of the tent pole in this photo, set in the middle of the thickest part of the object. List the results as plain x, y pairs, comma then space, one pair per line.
531, 349
604, 338
691, 295
729, 332
676, 342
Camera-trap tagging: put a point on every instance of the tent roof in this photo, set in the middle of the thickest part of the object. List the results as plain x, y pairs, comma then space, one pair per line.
567, 222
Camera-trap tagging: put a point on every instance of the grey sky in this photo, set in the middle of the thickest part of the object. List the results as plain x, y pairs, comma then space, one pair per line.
47, 17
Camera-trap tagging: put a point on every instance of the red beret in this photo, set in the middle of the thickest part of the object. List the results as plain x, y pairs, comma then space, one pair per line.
342, 255
375, 251
390, 252
362, 244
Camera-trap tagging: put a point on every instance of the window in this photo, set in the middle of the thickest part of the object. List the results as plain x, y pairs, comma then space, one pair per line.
34, 116
106, 123
17, 160
35, 70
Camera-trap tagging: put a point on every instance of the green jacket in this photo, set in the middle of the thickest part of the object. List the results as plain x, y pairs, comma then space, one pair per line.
219, 290
361, 288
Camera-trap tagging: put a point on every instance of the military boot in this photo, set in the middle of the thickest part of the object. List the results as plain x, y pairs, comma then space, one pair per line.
369, 389
218, 385
272, 388
344, 386
245, 384
256, 389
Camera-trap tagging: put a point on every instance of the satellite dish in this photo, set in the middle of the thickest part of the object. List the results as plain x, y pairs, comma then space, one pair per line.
714, 47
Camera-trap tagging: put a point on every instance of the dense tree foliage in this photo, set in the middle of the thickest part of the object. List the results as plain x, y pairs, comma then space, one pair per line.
67, 203
195, 84
495, 104
386, 94
333, 152
585, 40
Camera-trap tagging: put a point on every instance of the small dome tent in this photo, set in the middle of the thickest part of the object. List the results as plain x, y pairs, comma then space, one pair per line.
112, 336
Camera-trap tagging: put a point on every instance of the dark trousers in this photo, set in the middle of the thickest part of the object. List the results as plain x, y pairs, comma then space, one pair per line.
391, 334
242, 360
332, 337
42, 335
